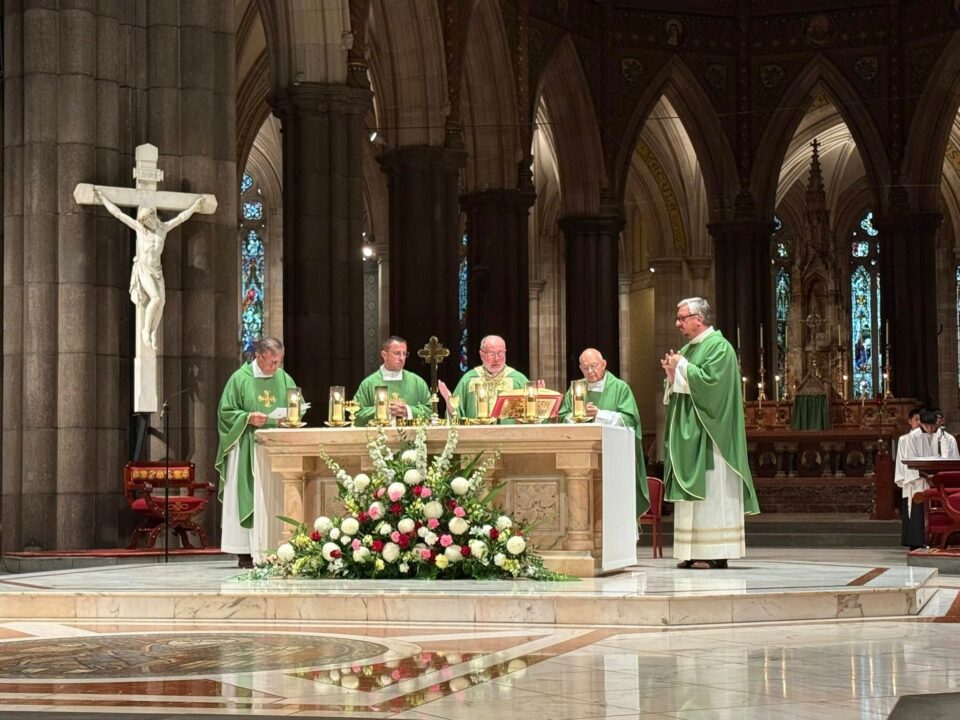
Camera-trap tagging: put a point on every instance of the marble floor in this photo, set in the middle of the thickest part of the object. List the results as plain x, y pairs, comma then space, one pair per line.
149, 665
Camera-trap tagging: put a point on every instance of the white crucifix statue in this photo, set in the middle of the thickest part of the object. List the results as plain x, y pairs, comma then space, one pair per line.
147, 290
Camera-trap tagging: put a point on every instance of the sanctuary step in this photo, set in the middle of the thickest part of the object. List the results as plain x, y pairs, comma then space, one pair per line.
810, 530
48, 561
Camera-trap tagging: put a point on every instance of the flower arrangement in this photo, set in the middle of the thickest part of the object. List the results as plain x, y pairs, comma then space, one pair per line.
412, 517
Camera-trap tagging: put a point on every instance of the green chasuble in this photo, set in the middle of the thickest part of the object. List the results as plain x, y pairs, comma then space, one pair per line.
243, 395
506, 379
411, 389
618, 397
711, 413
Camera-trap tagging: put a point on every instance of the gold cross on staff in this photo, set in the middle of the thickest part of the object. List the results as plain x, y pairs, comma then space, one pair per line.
433, 353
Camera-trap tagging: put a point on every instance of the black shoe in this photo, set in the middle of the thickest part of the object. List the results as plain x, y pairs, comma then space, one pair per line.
245, 562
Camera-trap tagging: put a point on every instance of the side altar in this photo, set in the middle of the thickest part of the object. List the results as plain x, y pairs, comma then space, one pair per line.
573, 485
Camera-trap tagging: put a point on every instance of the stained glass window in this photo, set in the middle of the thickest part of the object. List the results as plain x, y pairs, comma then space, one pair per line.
252, 266
866, 353
782, 290
464, 277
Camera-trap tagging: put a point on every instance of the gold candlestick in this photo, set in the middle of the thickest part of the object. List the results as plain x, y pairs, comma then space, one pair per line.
380, 400
335, 407
578, 391
530, 406
483, 404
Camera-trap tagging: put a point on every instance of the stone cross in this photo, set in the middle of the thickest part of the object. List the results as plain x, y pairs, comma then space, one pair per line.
433, 353
147, 290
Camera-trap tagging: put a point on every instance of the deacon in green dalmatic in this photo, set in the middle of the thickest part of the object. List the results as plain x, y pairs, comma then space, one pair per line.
407, 393
494, 373
255, 397
705, 469
610, 401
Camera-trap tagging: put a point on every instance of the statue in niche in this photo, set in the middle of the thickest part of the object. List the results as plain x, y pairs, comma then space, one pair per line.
673, 30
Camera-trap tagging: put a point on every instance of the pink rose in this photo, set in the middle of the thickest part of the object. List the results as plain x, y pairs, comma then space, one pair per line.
426, 492
446, 540
356, 544
374, 512
381, 492
395, 536
424, 554
433, 523
459, 511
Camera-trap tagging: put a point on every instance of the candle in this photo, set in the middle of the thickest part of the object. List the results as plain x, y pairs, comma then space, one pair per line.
483, 406
336, 403
843, 389
761, 337
759, 394
530, 409
380, 397
738, 339
743, 387
776, 388
886, 331
293, 405
839, 344
578, 390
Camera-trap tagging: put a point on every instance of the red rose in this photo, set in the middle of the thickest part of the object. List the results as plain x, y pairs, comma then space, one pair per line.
396, 508
335, 554
417, 489
465, 550
417, 524
518, 531
451, 504
362, 517
315, 536
404, 541
494, 533
377, 545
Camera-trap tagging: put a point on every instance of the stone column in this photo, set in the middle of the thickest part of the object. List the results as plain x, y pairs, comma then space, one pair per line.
534, 291
424, 249
497, 257
908, 301
624, 283
323, 138
592, 287
744, 296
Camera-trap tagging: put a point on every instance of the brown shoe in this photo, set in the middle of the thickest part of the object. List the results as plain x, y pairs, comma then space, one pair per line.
245, 561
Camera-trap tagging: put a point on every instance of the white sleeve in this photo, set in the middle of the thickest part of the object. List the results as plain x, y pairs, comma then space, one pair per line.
680, 383
609, 417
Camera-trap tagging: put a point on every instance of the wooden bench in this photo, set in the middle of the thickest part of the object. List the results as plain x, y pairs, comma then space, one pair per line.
143, 485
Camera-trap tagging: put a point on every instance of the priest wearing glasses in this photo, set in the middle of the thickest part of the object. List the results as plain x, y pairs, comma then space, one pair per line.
494, 373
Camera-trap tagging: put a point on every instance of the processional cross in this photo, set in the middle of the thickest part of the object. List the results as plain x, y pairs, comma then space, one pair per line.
147, 290
433, 353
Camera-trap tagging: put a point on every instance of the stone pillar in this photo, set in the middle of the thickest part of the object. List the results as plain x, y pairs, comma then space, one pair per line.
497, 256
908, 301
744, 296
624, 284
593, 302
322, 127
424, 249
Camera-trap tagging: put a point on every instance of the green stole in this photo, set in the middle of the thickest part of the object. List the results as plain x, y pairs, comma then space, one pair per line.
710, 414
618, 397
243, 395
412, 389
506, 379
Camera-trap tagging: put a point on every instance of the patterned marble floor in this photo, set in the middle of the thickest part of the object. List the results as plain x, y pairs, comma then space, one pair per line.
317, 669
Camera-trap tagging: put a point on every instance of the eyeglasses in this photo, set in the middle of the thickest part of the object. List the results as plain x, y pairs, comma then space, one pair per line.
271, 363
681, 318
494, 353
592, 367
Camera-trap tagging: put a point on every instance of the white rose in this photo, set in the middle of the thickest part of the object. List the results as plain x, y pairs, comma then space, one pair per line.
432, 509
328, 549
458, 526
391, 551
378, 564
430, 538
350, 682
516, 545
460, 485
322, 524
334, 533
503, 522
453, 553
406, 525
478, 548
422, 532
345, 539
286, 553
413, 477
403, 567
384, 528
396, 491
350, 526
361, 555
361, 482
408, 456
499, 559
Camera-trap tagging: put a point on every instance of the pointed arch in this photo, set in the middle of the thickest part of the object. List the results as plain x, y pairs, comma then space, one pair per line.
700, 121
783, 123
933, 118
572, 124
306, 40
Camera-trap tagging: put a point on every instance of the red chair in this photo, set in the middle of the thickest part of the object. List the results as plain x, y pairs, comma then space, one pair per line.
143, 485
654, 513
942, 507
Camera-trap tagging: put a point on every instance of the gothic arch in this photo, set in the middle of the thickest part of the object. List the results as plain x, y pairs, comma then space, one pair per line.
930, 129
569, 111
253, 80
780, 129
306, 40
489, 107
700, 121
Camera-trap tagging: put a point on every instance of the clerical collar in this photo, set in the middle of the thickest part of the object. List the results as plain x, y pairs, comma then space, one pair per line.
257, 372
493, 376
699, 338
597, 386
391, 375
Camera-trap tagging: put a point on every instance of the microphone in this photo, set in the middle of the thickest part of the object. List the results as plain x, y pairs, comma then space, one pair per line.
163, 410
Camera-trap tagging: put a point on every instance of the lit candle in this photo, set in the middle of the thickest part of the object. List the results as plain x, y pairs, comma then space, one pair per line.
843, 390
776, 388
743, 387
293, 405
530, 409
759, 394
336, 403
483, 406
578, 389
380, 397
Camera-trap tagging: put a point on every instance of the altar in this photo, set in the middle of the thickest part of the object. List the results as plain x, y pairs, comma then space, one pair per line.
573, 485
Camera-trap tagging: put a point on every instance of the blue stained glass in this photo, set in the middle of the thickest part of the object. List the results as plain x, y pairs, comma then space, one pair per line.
253, 210
777, 224
783, 315
861, 248
246, 182
782, 250
861, 336
251, 287
463, 287
867, 224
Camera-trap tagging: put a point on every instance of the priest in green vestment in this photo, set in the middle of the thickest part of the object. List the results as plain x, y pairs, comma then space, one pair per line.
407, 392
705, 468
610, 401
255, 397
494, 373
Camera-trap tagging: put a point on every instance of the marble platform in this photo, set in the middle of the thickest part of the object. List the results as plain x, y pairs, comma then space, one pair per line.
651, 593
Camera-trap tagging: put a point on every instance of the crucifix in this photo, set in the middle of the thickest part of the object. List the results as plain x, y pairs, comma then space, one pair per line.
433, 353
147, 290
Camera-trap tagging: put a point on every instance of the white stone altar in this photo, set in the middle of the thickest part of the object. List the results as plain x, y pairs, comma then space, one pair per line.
575, 484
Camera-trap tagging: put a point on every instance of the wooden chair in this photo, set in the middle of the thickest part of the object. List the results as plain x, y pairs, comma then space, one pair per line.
654, 513
143, 485
942, 507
